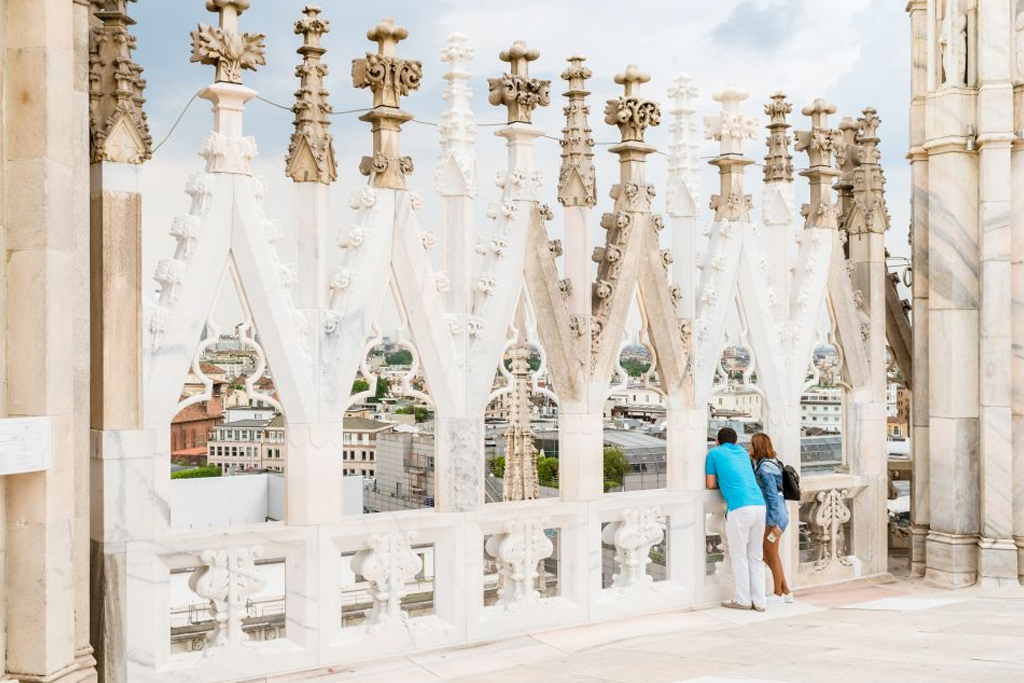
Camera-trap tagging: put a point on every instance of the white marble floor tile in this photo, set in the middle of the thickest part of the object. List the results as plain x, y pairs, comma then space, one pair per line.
479, 659
902, 604
735, 616
623, 631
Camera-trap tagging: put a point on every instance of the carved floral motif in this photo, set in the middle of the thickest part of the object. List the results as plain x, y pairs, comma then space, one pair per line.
228, 578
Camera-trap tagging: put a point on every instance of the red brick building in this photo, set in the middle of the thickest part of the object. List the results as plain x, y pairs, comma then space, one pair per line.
190, 431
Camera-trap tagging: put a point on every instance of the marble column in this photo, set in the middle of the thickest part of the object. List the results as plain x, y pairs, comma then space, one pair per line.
919, 85
46, 264
997, 557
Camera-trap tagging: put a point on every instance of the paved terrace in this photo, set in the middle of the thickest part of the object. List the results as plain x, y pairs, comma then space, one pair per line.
898, 632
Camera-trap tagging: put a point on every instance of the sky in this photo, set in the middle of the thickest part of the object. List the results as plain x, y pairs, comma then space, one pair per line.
854, 53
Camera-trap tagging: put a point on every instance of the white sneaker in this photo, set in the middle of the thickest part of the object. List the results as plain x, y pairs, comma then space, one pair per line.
776, 599
788, 597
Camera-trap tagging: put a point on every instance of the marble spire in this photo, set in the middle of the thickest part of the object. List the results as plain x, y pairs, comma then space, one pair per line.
456, 162
822, 144
576, 177
730, 128
117, 121
520, 482
310, 155
389, 78
224, 47
778, 162
516, 90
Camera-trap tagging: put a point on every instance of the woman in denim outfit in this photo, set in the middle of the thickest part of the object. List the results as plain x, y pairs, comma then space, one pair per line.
769, 478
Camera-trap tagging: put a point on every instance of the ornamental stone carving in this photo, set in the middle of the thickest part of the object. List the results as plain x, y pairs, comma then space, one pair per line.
576, 178
864, 180
683, 150
778, 162
224, 47
632, 114
828, 513
520, 480
389, 78
310, 155
117, 122
228, 578
516, 90
633, 536
730, 128
388, 563
518, 552
821, 144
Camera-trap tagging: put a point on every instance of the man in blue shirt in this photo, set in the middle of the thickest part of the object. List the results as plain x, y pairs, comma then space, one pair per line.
729, 469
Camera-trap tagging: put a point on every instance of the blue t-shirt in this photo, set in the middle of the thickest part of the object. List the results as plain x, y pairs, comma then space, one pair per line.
731, 464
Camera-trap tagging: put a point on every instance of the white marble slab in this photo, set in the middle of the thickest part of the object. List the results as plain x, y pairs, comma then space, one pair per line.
780, 611
25, 444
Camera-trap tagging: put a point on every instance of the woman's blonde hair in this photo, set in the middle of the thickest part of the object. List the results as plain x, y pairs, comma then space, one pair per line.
761, 447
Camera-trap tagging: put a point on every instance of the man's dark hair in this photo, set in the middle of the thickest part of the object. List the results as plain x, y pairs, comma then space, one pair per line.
726, 435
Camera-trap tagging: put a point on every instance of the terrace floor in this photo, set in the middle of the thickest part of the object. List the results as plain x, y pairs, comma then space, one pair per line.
903, 631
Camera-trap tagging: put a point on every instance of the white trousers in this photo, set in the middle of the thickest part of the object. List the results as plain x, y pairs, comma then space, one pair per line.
744, 529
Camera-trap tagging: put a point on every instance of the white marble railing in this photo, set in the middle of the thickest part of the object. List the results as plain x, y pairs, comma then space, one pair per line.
827, 548
495, 572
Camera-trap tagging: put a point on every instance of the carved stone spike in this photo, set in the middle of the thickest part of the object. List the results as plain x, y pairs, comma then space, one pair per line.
576, 178
224, 47
683, 149
516, 90
630, 112
778, 162
311, 152
456, 162
520, 481
117, 122
389, 78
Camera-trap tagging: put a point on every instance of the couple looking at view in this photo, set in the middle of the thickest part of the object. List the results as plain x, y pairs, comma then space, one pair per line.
756, 515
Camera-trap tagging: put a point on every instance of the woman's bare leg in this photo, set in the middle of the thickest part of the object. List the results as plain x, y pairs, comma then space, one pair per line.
774, 562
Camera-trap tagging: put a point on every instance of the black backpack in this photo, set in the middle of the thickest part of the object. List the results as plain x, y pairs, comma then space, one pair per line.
790, 481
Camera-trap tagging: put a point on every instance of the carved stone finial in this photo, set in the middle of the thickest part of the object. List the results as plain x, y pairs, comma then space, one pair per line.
683, 150
820, 143
520, 452
865, 177
117, 122
730, 128
629, 112
516, 90
576, 178
778, 162
389, 78
224, 47
311, 152
456, 163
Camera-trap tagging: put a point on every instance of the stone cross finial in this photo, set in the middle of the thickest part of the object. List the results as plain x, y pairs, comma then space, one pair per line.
820, 143
629, 112
778, 162
516, 90
576, 177
224, 47
311, 152
456, 168
117, 123
389, 78
730, 128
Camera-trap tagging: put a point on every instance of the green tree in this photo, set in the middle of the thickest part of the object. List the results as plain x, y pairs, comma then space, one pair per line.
615, 467
422, 413
547, 472
197, 473
498, 466
400, 357
360, 385
634, 367
383, 389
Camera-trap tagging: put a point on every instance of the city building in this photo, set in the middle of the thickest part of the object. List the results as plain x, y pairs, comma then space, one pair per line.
821, 411
238, 445
191, 431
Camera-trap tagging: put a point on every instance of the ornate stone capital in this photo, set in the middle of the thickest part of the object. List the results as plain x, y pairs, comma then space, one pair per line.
224, 47
311, 152
778, 162
516, 90
390, 78
630, 112
576, 178
117, 122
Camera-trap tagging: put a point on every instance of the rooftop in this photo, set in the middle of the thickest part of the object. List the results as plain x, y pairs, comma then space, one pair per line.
859, 633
